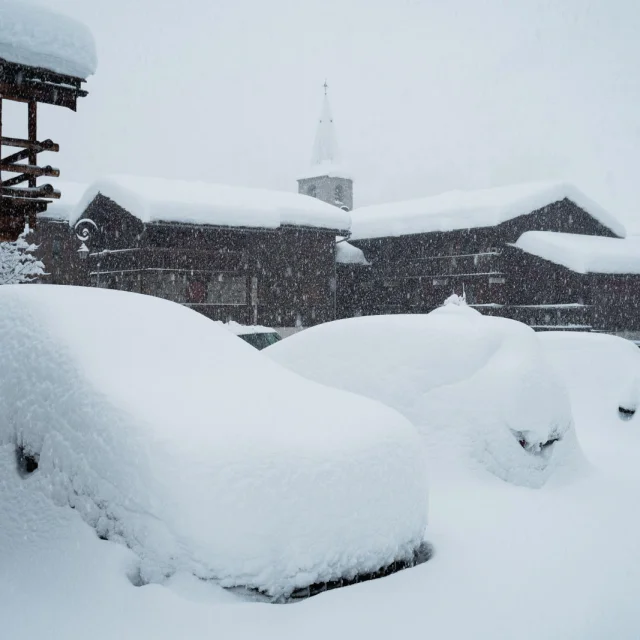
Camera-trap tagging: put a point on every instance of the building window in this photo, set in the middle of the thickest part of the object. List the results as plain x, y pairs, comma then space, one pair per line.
196, 292
339, 193
495, 280
312, 191
172, 286
227, 289
56, 247
440, 282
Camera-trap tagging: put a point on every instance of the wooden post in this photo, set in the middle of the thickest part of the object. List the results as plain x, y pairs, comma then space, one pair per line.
33, 137
0, 139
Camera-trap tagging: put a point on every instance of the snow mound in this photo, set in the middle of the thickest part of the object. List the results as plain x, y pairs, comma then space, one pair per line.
583, 254
478, 388
164, 200
470, 209
167, 433
39, 37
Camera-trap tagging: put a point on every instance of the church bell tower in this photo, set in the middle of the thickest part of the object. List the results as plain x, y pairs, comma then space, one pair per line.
327, 179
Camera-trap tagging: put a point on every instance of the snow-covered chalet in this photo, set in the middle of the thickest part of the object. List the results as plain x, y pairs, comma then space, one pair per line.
541, 253
231, 253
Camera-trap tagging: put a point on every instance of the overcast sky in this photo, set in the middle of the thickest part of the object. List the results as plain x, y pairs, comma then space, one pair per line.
427, 95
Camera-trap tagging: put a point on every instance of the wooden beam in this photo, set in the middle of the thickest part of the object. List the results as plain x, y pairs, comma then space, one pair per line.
33, 137
13, 181
43, 191
31, 170
1, 138
45, 145
49, 94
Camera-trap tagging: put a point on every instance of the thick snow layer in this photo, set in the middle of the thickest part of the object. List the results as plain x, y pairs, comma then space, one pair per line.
39, 37
470, 209
348, 254
161, 200
477, 387
63, 208
602, 374
167, 433
559, 563
583, 254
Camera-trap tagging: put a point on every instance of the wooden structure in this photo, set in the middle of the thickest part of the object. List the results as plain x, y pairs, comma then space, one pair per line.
21, 199
416, 273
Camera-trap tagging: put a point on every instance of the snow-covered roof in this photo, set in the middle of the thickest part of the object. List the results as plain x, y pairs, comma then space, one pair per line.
348, 254
39, 37
62, 209
583, 254
455, 210
164, 200
328, 169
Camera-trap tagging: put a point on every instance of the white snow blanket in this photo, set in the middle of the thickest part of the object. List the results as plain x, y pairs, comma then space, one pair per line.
163, 200
469, 210
169, 434
583, 254
36, 36
602, 374
477, 387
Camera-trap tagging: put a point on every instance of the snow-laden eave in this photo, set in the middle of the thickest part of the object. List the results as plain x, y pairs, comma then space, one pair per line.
265, 229
583, 254
460, 210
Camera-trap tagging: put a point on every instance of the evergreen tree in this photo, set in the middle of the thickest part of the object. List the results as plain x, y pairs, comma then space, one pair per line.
17, 262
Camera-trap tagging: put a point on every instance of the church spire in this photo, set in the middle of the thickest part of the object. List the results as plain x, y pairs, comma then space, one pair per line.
327, 179
325, 147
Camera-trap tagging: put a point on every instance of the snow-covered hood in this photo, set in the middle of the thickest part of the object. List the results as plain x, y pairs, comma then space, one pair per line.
478, 388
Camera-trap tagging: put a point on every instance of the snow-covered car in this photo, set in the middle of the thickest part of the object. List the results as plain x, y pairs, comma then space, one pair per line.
164, 432
602, 374
477, 387
257, 336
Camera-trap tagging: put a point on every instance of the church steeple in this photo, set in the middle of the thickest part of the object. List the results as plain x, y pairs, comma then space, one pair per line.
325, 147
327, 178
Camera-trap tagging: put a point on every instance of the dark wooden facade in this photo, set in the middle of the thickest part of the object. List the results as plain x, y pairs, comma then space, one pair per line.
20, 204
416, 273
283, 277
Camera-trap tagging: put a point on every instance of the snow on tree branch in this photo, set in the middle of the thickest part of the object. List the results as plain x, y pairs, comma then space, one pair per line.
17, 262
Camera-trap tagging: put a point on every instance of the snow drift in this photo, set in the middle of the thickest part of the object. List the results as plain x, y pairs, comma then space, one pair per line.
477, 387
167, 433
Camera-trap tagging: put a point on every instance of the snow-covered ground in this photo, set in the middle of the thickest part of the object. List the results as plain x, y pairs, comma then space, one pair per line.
559, 562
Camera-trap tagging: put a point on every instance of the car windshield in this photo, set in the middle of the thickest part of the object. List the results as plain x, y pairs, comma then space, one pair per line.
261, 340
